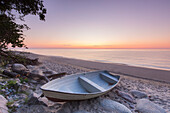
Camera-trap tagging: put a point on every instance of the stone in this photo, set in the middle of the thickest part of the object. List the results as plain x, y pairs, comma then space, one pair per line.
34, 81
33, 99
3, 102
38, 90
33, 109
22, 95
43, 67
138, 94
16, 104
49, 72
146, 106
18, 67
44, 100
113, 106
126, 96
81, 111
8, 66
64, 110
23, 88
2, 75
30, 67
37, 72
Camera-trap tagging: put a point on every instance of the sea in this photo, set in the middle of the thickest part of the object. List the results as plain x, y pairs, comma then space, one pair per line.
150, 58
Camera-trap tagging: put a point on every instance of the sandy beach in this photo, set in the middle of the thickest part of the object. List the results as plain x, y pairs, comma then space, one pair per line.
140, 72
155, 83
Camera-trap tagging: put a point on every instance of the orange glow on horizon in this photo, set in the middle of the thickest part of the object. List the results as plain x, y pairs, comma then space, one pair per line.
114, 46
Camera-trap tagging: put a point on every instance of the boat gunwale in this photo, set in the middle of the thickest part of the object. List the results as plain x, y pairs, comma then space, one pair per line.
85, 93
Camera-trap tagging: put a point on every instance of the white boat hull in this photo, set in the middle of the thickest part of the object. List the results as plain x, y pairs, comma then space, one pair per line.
73, 92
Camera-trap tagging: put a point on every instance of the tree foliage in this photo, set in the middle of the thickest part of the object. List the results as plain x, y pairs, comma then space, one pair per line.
11, 33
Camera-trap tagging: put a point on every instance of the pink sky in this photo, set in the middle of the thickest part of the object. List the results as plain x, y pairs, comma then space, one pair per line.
101, 24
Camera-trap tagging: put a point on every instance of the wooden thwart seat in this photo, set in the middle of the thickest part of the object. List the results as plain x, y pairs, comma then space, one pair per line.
89, 85
108, 78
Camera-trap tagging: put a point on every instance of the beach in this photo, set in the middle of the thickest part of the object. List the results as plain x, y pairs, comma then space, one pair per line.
84, 56
155, 83
139, 90
140, 72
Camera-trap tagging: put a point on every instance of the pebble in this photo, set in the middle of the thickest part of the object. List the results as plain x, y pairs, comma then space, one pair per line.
138, 94
23, 88
126, 96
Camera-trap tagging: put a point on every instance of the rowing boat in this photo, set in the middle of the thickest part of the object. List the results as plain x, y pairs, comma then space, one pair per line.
80, 86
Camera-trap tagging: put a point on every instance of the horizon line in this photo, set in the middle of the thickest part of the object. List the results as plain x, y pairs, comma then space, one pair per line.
89, 48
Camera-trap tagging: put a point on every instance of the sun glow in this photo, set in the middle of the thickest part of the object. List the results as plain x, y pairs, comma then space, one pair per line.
101, 24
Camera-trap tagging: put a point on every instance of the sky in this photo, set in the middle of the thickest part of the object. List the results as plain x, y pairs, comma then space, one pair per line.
101, 24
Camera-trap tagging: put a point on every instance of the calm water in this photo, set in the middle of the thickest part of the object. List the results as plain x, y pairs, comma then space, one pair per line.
153, 58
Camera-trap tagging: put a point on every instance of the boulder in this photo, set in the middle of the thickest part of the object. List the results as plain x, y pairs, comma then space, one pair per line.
138, 94
146, 106
33, 109
113, 106
18, 67
126, 96
3, 102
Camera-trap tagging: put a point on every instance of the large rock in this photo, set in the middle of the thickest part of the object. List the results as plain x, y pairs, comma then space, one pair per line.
33, 109
138, 94
3, 102
18, 67
113, 106
146, 106
33, 99
126, 96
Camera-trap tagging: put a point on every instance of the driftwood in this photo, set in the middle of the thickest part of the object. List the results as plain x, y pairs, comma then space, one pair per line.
11, 74
54, 76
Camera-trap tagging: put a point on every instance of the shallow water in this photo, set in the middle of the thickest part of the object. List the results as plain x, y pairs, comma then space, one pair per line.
152, 58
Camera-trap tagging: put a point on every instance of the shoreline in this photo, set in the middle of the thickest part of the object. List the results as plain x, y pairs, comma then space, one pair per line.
122, 58
127, 70
150, 91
